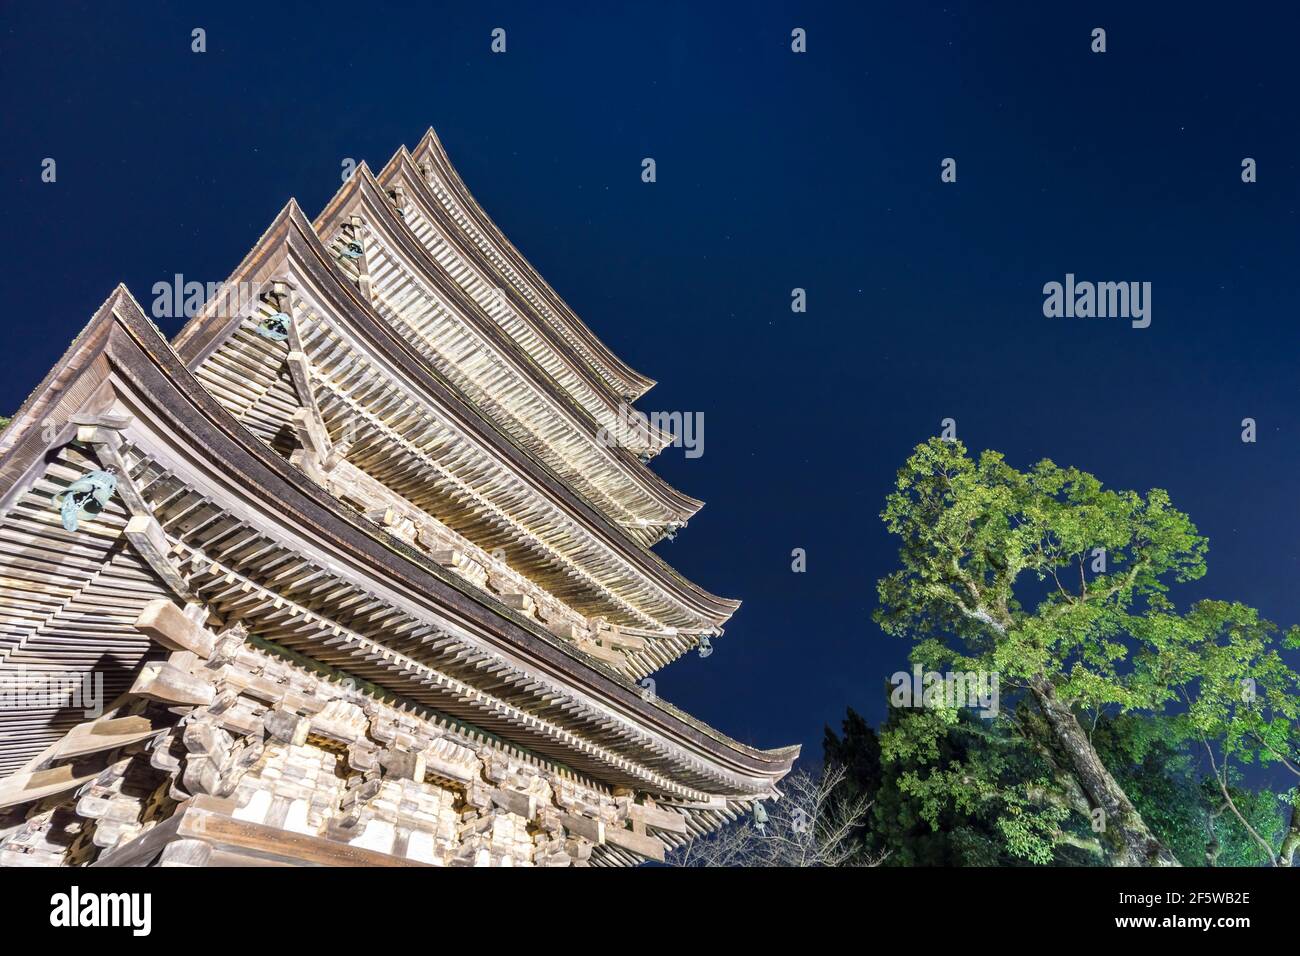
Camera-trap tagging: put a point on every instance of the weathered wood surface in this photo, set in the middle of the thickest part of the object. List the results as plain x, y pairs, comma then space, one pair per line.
30, 787
101, 735
167, 624
452, 403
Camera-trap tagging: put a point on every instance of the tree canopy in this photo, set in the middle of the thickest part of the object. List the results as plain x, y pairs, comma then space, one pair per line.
1061, 588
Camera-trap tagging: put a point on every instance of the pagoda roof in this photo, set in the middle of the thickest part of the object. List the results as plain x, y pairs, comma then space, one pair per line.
206, 511
457, 337
445, 238
652, 591
516, 270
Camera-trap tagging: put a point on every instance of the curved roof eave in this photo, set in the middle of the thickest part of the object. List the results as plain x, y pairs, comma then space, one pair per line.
629, 379
365, 188
202, 335
402, 165
123, 337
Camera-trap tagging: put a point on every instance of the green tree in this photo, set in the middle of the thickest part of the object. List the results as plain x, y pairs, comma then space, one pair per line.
1241, 705
1161, 769
1059, 587
857, 750
1151, 758
915, 820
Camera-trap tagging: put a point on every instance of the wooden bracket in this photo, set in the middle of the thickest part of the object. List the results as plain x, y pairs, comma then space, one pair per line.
363, 266
142, 530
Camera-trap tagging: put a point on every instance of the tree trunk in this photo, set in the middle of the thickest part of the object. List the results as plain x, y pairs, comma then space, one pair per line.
1291, 842
1126, 833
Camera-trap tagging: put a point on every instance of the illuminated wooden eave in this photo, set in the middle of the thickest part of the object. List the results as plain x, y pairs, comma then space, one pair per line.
629, 493
122, 358
623, 381
519, 315
291, 232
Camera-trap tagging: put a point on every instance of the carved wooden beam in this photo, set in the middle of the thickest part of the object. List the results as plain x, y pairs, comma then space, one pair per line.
640, 843
170, 683
142, 530
101, 735
44, 783
653, 816
165, 623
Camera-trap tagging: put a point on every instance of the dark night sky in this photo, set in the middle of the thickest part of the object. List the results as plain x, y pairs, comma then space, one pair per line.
775, 170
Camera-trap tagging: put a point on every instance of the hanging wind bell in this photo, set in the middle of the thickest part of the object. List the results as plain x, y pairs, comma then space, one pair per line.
275, 327
398, 196
352, 250
760, 818
86, 497
705, 647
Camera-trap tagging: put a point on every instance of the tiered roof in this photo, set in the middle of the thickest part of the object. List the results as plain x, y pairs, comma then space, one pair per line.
420, 448
406, 489
446, 185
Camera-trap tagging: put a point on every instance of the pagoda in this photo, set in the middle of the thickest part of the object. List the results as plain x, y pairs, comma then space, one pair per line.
351, 572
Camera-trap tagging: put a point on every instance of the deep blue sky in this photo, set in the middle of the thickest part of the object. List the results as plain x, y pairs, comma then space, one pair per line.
775, 170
